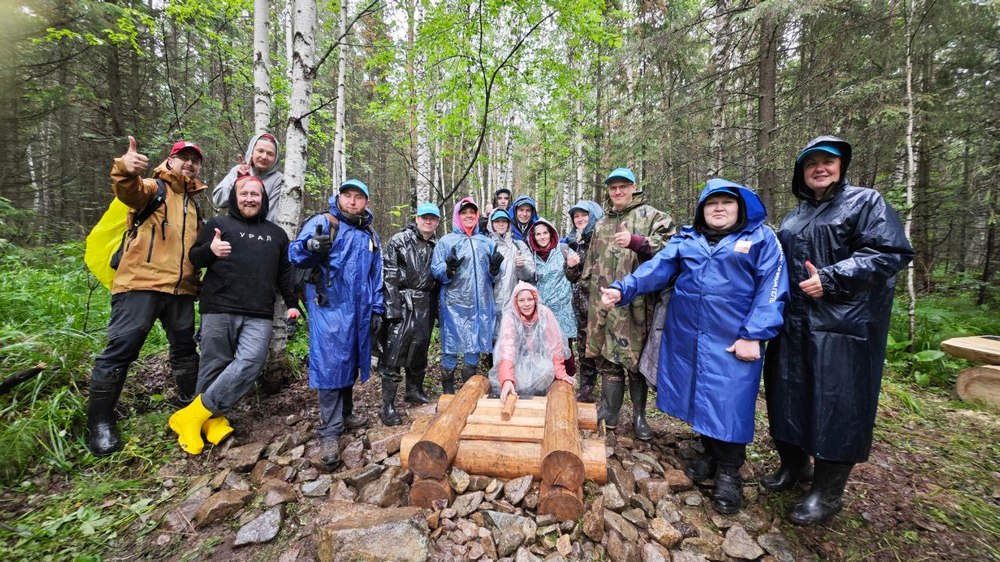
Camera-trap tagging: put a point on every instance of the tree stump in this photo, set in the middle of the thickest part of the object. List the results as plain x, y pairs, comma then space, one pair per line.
980, 384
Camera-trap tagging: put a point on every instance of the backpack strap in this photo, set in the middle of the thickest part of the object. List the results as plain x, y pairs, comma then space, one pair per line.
334, 224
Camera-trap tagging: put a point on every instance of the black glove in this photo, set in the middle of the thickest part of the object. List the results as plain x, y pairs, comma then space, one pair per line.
496, 258
376, 324
319, 243
292, 326
452, 262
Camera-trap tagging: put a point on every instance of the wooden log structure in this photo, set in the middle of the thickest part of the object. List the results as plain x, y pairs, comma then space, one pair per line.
529, 413
425, 491
980, 383
508, 408
562, 503
562, 463
433, 454
978, 349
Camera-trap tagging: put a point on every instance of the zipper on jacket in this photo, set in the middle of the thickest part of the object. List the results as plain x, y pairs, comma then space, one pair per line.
152, 239
180, 277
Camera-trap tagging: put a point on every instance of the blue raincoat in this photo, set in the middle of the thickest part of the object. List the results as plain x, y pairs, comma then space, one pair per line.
515, 229
467, 318
554, 288
734, 289
339, 328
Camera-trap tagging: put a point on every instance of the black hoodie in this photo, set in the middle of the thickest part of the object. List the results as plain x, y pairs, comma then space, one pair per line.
245, 281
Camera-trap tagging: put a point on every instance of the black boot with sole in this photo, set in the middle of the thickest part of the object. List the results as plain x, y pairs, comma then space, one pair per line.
795, 467
825, 498
389, 415
638, 390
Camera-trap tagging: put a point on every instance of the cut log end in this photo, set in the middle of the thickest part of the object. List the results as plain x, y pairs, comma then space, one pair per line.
563, 468
980, 384
561, 503
425, 491
428, 460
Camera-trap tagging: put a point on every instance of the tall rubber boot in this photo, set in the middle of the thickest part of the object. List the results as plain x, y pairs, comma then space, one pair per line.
612, 395
216, 429
415, 386
588, 380
352, 420
795, 467
825, 498
187, 422
468, 371
185, 370
389, 415
448, 381
728, 496
638, 390
102, 428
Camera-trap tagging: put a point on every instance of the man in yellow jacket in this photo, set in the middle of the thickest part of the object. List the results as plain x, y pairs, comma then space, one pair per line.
154, 280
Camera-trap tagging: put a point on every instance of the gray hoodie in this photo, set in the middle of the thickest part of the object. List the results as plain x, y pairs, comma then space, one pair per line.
274, 181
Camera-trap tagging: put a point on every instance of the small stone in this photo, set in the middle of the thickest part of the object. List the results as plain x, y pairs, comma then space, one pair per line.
686, 529
243, 458
739, 544
636, 517
220, 505
668, 510
621, 478
677, 480
664, 533
515, 490
318, 487
297, 452
777, 546
531, 498
448, 513
278, 492
385, 441
387, 491
612, 497
358, 477
340, 491
621, 549
478, 483
307, 474
525, 555
292, 419
693, 500
263, 470
467, 503
564, 545
493, 490
500, 505
162, 540
593, 520
262, 529
642, 502
705, 547
459, 480
353, 455
476, 551
619, 524
685, 556
652, 552
219, 479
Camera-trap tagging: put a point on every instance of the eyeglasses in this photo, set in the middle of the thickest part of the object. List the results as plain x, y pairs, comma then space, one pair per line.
193, 159
620, 187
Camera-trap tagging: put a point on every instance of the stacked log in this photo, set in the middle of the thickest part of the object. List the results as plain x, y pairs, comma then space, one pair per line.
563, 471
981, 383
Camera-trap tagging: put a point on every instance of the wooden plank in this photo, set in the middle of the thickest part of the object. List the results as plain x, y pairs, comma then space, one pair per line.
516, 421
980, 384
586, 414
508, 408
433, 454
561, 462
502, 432
979, 349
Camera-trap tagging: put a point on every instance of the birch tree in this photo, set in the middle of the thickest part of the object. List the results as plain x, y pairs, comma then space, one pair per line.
339, 154
261, 67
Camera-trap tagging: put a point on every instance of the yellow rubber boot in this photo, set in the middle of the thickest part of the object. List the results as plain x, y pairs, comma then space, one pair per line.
216, 429
187, 422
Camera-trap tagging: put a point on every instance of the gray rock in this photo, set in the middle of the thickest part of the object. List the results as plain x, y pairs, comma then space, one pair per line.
263, 470
621, 549
642, 502
640, 473
593, 520
777, 546
386, 440
387, 491
621, 478
478, 483
353, 455
739, 544
710, 549
493, 490
668, 510
467, 503
636, 517
307, 474
219, 506
278, 492
515, 490
613, 498
693, 500
619, 524
262, 529
243, 458
235, 482
398, 534
664, 533
340, 491
459, 480
652, 552
525, 555
508, 531
648, 460
358, 477
317, 487
531, 498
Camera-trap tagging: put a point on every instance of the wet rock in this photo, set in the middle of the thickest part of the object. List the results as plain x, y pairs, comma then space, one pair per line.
307, 474
400, 532
677, 480
459, 480
739, 544
618, 523
219, 506
621, 549
777, 546
467, 503
711, 550
656, 489
515, 490
636, 517
652, 552
621, 478
278, 492
593, 520
664, 533
358, 477
509, 531
242, 459
340, 491
263, 470
262, 529
318, 487
386, 440
387, 491
649, 461
642, 502
613, 498
668, 510
353, 455
693, 500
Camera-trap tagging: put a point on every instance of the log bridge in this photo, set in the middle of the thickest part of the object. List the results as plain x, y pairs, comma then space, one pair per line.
480, 435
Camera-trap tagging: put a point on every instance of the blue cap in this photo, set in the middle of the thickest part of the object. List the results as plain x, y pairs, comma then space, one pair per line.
724, 190
499, 214
356, 184
428, 209
620, 173
829, 149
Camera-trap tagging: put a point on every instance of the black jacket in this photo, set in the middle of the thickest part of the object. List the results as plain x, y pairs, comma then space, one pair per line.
822, 374
410, 293
245, 281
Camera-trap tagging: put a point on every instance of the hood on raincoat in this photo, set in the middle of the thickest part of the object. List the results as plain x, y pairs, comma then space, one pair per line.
799, 187
360, 221
456, 221
522, 200
553, 236
752, 211
234, 209
525, 286
277, 153
595, 212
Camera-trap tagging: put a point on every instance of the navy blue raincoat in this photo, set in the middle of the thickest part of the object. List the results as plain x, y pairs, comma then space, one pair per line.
515, 229
823, 373
467, 318
340, 321
734, 289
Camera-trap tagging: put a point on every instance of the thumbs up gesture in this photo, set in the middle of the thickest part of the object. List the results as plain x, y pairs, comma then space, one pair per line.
623, 237
812, 286
135, 163
220, 247
319, 243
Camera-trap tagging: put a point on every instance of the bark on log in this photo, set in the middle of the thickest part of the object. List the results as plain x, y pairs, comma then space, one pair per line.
10, 382
502, 432
562, 464
425, 491
562, 503
979, 349
508, 408
433, 454
586, 414
980, 384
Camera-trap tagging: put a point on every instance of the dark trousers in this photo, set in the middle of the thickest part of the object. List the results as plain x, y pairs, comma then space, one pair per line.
132, 316
332, 403
726, 454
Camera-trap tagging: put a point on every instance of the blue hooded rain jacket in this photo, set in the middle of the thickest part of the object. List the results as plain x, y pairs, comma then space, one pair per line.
521, 234
340, 327
734, 289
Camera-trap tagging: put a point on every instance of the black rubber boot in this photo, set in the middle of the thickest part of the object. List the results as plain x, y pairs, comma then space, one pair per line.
389, 415
468, 371
351, 420
102, 428
638, 390
448, 381
588, 380
185, 371
728, 496
701, 468
824, 499
415, 386
795, 467
612, 394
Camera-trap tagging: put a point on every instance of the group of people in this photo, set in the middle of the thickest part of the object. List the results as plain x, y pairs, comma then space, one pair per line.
509, 294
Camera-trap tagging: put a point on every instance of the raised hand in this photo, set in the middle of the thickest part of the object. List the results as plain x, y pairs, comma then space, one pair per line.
452, 262
220, 247
319, 243
135, 163
812, 286
623, 237
610, 297
496, 258
572, 258
243, 169
519, 260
